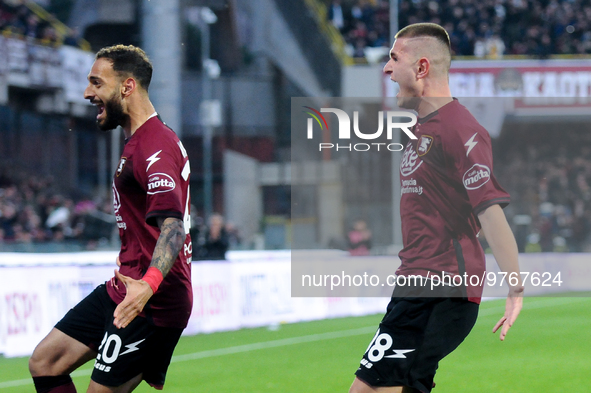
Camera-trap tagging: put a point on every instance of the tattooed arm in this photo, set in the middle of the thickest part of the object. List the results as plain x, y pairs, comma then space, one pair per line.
168, 246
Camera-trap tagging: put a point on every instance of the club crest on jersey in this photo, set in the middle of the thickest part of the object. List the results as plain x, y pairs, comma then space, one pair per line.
160, 182
424, 145
121, 165
477, 176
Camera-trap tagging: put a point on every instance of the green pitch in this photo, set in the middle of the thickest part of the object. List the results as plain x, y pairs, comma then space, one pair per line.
548, 349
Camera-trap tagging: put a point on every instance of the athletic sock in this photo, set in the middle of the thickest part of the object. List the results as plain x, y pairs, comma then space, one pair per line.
54, 384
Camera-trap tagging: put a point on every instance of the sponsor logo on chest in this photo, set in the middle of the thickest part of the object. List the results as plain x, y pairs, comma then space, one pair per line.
410, 161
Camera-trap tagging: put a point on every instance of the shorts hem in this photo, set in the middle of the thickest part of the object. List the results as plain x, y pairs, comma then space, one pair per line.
156, 386
116, 383
92, 346
391, 384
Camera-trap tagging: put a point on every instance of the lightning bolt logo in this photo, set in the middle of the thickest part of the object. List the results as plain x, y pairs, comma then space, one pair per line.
133, 346
152, 159
399, 353
470, 144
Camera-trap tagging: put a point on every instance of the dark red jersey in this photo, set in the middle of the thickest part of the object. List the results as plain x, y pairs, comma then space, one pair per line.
447, 179
152, 181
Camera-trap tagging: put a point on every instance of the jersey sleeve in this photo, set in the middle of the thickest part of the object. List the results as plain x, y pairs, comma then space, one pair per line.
158, 170
471, 154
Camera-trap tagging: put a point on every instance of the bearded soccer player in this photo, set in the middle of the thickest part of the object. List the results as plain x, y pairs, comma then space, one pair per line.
451, 162
131, 324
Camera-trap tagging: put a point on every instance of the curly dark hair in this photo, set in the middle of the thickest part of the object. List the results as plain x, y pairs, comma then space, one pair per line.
129, 60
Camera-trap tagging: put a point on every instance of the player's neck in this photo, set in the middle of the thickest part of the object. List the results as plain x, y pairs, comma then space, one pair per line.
429, 105
435, 94
138, 113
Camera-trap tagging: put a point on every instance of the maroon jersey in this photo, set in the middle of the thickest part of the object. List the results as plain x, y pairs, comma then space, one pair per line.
447, 179
152, 181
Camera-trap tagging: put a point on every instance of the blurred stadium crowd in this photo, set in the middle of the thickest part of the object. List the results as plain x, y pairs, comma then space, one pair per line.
550, 189
548, 180
489, 28
550, 211
33, 211
16, 19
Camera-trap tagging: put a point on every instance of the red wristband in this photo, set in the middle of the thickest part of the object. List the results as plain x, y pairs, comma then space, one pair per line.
153, 277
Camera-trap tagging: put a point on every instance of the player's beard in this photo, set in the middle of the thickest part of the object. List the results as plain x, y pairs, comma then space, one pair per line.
114, 115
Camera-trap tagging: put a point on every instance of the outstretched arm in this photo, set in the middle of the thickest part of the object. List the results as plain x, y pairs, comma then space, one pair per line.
168, 246
502, 243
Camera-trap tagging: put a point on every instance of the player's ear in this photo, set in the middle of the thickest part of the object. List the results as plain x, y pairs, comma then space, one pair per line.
423, 66
128, 86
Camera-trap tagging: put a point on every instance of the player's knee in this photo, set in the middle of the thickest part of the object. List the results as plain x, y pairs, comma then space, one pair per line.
40, 363
354, 389
36, 367
359, 386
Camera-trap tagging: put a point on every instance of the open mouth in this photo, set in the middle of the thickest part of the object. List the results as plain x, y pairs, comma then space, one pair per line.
101, 109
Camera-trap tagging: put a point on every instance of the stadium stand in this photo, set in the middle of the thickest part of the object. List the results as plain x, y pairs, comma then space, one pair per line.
548, 181
477, 28
28, 20
35, 215
32, 211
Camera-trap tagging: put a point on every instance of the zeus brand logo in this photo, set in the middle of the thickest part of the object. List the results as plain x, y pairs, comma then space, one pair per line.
132, 347
160, 182
153, 159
